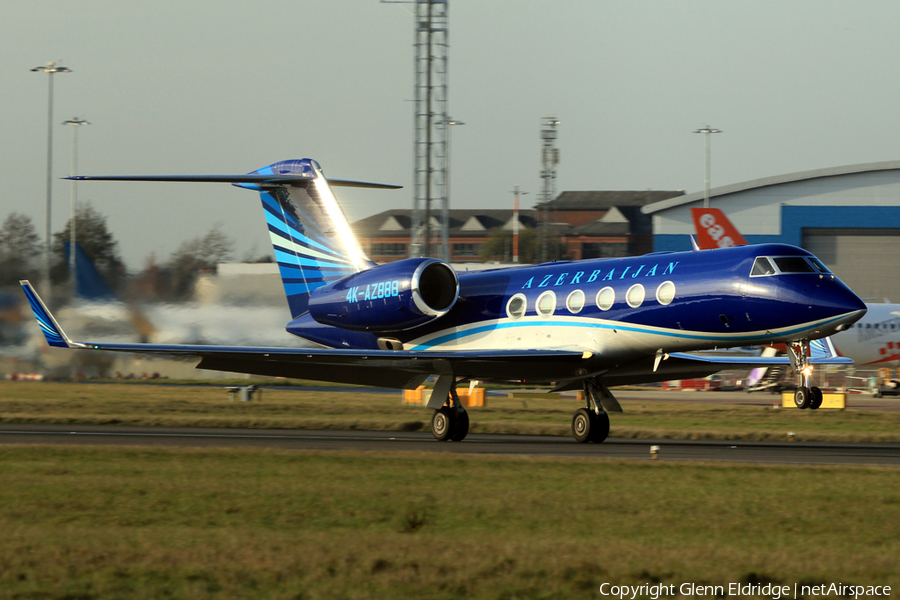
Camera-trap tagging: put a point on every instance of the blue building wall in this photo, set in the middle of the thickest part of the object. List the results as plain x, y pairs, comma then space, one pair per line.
795, 218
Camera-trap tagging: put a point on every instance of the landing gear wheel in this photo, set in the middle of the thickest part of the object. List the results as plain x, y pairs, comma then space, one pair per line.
599, 427
815, 398
443, 424
462, 426
582, 424
802, 397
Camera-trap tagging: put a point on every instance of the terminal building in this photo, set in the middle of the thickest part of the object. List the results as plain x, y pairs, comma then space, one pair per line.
590, 224
847, 216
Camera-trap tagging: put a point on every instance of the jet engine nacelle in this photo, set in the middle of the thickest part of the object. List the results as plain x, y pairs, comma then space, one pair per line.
392, 297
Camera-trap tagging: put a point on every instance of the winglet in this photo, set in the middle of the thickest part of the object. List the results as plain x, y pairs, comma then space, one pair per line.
52, 331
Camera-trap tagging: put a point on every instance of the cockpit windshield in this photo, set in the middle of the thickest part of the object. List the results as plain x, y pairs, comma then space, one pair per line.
793, 264
818, 264
764, 266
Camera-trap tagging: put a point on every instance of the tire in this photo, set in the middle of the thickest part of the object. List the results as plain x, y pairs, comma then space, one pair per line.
443, 425
815, 398
802, 397
582, 425
462, 427
600, 428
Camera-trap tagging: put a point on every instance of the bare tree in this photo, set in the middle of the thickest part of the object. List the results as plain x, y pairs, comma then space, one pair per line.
95, 240
196, 255
20, 249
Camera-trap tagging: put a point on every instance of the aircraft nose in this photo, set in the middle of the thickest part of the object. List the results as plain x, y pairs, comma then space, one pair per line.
853, 303
844, 303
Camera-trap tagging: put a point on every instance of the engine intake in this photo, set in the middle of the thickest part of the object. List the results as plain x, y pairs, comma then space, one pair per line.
393, 297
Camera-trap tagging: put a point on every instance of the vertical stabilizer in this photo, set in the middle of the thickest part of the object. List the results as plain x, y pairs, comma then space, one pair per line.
312, 239
715, 230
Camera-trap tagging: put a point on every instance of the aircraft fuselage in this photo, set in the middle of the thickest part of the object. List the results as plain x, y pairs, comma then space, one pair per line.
627, 306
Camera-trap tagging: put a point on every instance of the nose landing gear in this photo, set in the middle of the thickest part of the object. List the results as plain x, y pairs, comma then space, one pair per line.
805, 396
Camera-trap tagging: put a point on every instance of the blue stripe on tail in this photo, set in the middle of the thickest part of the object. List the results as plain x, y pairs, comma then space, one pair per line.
51, 330
310, 235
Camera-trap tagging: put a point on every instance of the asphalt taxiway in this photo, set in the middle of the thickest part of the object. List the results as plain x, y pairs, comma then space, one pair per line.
809, 453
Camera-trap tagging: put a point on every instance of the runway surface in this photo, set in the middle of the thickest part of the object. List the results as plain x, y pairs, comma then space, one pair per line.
810, 453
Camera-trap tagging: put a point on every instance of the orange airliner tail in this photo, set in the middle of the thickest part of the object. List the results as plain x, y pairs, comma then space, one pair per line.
714, 230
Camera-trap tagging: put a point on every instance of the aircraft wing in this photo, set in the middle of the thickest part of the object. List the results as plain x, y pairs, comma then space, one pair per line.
408, 369
726, 362
384, 368
822, 353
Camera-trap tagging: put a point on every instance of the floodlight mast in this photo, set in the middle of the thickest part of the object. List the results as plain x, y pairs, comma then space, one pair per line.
445, 205
707, 131
431, 144
549, 160
51, 68
516, 194
74, 122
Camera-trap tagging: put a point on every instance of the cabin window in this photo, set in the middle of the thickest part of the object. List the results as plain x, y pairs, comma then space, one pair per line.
515, 308
665, 293
546, 304
606, 298
635, 295
793, 264
762, 267
575, 302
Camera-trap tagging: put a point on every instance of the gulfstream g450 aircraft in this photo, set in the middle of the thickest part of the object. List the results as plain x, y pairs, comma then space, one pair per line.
587, 325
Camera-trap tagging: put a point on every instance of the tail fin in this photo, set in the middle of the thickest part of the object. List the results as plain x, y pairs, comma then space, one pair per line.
89, 283
311, 236
312, 239
714, 230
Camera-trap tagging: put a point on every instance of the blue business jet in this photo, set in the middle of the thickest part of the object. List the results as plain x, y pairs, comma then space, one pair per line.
585, 325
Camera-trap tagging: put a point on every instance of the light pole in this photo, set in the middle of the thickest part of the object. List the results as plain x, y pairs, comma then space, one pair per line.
445, 216
707, 130
75, 122
50, 69
516, 194
549, 160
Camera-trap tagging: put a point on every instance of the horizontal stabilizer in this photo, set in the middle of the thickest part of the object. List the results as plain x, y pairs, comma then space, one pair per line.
252, 178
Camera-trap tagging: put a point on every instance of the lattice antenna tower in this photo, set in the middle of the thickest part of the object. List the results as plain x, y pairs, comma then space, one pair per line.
549, 160
431, 125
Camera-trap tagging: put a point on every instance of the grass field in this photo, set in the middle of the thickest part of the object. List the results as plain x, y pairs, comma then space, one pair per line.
136, 523
131, 404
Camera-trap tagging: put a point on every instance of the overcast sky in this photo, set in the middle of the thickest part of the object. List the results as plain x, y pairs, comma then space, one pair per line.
231, 86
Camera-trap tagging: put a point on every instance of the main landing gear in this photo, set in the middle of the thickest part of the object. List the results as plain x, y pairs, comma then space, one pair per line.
450, 422
805, 396
591, 423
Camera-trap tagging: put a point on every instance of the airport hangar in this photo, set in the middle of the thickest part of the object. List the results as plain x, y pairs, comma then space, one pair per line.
847, 216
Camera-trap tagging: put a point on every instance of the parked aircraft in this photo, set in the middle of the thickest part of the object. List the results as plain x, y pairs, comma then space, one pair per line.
584, 325
873, 341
